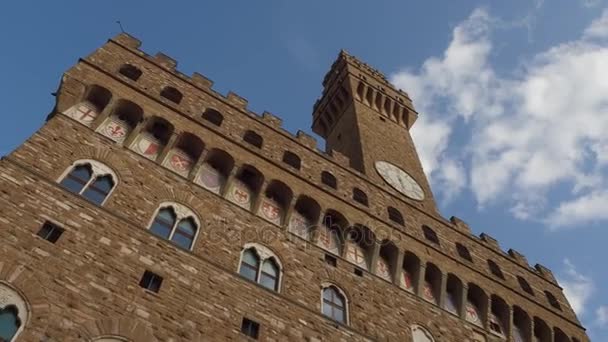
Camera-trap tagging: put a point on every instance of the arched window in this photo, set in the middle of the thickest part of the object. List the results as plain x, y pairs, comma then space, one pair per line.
125, 116
463, 252
175, 223
253, 139
260, 265
552, 300
153, 138
94, 102
13, 313
385, 266
430, 235
499, 316
524, 285
395, 216
171, 94
291, 159
329, 180
334, 304
495, 269
213, 116
90, 179
360, 196
130, 71
420, 334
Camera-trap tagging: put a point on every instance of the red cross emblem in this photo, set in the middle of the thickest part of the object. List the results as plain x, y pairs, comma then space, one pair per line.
472, 313
356, 254
180, 163
86, 114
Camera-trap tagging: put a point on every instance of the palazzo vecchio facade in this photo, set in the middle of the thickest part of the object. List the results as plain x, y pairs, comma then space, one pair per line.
149, 207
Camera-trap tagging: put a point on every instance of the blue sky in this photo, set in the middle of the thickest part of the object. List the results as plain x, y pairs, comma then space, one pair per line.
511, 97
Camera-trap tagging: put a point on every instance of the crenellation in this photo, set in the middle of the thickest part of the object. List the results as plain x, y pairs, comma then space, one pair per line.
460, 225
237, 101
306, 139
272, 120
491, 242
546, 273
201, 81
165, 61
127, 40
518, 257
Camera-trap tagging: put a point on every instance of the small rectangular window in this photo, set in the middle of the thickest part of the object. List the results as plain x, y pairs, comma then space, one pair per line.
359, 272
151, 281
331, 260
50, 232
250, 328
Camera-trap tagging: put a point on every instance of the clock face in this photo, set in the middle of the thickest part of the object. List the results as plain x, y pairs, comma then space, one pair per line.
400, 180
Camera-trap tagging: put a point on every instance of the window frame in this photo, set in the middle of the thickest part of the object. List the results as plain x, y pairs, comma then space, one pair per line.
264, 254
98, 170
181, 213
327, 286
23, 309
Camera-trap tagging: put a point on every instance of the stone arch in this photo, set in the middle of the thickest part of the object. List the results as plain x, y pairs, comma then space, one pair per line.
421, 334
116, 329
264, 253
107, 157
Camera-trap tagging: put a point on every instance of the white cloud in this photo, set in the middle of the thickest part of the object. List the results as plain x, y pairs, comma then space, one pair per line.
590, 3
525, 134
587, 208
578, 288
601, 314
599, 27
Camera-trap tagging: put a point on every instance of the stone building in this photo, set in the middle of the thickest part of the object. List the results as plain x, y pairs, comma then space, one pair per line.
149, 207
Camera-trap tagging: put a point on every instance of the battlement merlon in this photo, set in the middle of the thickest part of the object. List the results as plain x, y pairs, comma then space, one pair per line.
348, 76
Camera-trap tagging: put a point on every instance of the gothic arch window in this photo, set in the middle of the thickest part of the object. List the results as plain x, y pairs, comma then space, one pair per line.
420, 334
215, 170
304, 217
430, 235
254, 139
329, 180
360, 196
182, 157
123, 120
90, 179
552, 300
275, 202
172, 94
463, 252
259, 264
213, 116
525, 285
395, 216
292, 160
334, 304
330, 232
130, 72
245, 187
94, 102
153, 138
14, 313
176, 223
495, 269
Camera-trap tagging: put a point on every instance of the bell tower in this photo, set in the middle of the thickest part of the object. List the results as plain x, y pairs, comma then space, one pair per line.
361, 115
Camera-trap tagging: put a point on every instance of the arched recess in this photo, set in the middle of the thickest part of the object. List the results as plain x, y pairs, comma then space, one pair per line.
14, 313
245, 187
387, 260
215, 170
499, 316
122, 121
172, 94
420, 334
542, 332
476, 307
182, 157
360, 242
94, 102
432, 283
123, 329
559, 335
521, 325
454, 294
275, 202
213, 116
410, 272
330, 234
304, 217
153, 137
